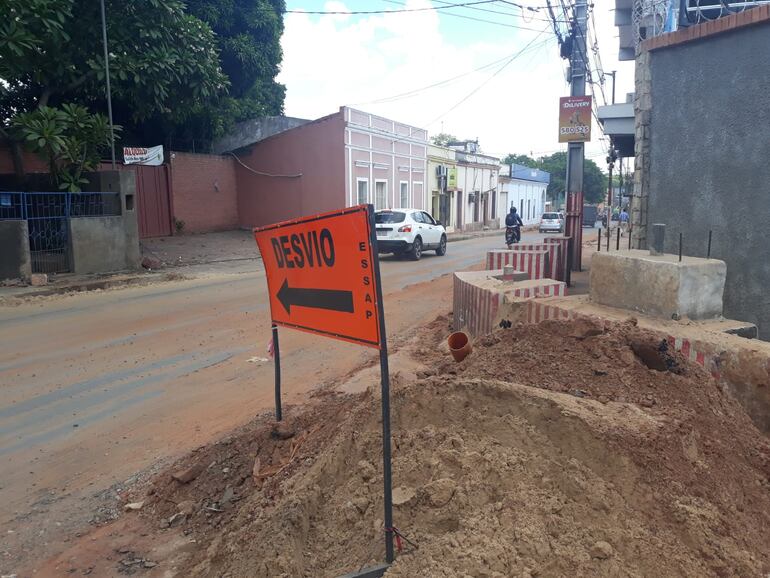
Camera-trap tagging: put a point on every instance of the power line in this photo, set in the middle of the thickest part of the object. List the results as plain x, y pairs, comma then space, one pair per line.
524, 49
494, 74
416, 91
473, 18
357, 12
521, 7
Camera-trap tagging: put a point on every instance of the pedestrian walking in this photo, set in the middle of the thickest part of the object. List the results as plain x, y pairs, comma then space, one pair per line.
623, 222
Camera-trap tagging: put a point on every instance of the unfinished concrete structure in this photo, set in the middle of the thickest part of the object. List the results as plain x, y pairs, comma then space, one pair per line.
702, 109
659, 285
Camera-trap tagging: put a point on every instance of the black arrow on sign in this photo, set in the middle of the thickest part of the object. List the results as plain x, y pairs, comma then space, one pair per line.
330, 299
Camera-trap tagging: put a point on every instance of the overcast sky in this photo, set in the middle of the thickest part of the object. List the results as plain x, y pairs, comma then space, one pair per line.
511, 105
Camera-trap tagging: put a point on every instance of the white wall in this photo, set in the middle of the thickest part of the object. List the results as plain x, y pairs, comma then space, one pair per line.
527, 196
477, 179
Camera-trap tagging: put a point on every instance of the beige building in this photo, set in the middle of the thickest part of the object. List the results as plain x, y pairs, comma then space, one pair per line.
442, 185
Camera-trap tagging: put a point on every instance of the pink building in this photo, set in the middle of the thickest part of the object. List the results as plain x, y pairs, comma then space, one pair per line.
337, 161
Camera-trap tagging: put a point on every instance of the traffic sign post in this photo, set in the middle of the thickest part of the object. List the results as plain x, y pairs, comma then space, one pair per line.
323, 277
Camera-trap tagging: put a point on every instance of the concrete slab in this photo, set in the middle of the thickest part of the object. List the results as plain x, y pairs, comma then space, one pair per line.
659, 285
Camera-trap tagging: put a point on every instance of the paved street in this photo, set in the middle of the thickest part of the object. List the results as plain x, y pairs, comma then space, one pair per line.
99, 385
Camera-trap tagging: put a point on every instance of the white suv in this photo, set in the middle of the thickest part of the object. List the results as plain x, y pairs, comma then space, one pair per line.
409, 231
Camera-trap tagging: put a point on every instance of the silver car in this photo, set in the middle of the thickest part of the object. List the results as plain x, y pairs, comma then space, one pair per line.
551, 223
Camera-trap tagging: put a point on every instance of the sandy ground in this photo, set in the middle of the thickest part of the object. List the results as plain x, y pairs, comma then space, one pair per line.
98, 390
577, 448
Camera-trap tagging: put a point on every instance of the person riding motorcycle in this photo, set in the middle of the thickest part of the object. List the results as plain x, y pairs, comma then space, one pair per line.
513, 224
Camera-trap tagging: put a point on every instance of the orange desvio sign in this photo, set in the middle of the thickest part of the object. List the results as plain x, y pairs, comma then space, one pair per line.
321, 275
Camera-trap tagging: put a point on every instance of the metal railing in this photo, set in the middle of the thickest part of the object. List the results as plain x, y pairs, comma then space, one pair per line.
47, 215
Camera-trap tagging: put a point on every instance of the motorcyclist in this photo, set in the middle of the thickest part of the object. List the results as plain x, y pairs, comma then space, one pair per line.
512, 227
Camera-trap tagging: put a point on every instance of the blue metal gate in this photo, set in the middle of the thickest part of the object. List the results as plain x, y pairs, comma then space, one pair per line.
47, 215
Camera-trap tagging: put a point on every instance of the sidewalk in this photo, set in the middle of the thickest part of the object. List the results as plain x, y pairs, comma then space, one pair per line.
465, 235
181, 257
166, 258
204, 248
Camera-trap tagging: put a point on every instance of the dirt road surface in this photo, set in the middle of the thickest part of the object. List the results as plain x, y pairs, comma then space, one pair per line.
98, 386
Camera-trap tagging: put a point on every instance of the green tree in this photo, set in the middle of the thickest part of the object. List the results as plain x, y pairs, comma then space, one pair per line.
525, 160
594, 180
70, 139
442, 139
248, 36
164, 63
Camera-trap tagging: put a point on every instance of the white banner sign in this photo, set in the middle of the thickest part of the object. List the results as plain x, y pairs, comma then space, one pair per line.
152, 156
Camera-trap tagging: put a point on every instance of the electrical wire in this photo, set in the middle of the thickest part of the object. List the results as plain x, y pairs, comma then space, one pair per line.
524, 9
260, 173
474, 19
360, 12
494, 74
417, 91
524, 49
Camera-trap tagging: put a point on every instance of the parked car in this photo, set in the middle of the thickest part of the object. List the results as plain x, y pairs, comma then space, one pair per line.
551, 223
409, 232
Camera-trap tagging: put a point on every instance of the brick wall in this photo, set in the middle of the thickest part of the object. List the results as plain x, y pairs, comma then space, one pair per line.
204, 192
32, 162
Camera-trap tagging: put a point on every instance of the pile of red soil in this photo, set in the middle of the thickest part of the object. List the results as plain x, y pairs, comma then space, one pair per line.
553, 450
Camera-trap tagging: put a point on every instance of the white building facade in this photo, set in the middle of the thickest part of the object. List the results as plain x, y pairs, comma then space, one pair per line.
524, 188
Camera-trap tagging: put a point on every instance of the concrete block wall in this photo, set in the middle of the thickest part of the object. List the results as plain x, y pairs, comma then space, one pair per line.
15, 260
120, 232
205, 192
660, 285
98, 244
705, 166
535, 262
642, 118
481, 300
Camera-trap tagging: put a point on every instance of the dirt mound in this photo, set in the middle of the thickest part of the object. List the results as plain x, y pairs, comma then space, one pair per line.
553, 450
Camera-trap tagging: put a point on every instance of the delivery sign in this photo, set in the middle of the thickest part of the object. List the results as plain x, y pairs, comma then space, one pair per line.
575, 119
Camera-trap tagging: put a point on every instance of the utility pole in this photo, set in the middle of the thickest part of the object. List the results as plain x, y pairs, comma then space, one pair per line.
612, 74
576, 150
611, 158
107, 77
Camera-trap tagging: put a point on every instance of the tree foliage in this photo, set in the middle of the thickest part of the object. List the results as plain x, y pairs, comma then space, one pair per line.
442, 139
248, 35
594, 180
69, 138
162, 60
180, 71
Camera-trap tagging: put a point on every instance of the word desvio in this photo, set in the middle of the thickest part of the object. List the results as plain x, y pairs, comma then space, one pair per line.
300, 250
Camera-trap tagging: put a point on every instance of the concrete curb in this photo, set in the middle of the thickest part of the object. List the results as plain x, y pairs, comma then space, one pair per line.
87, 285
489, 233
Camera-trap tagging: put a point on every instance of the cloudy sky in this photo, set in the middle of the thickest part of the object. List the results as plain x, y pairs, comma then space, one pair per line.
495, 67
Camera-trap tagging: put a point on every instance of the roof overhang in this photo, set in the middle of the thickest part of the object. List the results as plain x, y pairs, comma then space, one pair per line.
617, 122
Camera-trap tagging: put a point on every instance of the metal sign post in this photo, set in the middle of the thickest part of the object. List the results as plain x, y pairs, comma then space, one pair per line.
385, 389
323, 277
277, 363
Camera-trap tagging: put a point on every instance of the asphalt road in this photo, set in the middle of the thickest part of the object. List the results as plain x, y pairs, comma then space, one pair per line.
99, 385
